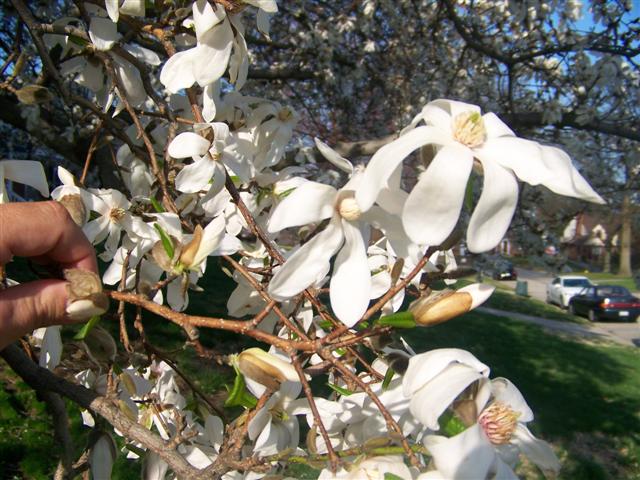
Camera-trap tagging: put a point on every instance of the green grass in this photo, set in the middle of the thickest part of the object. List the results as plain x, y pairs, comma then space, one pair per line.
509, 302
610, 279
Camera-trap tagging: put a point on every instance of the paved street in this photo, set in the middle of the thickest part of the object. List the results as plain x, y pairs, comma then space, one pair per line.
623, 333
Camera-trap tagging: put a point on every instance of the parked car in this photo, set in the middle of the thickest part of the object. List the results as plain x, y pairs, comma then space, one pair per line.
501, 269
563, 287
605, 302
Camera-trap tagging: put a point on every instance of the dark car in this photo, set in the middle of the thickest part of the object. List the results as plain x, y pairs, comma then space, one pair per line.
605, 302
501, 270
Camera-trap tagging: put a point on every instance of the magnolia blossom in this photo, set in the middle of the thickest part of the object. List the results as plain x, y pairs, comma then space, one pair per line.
379, 467
487, 446
461, 134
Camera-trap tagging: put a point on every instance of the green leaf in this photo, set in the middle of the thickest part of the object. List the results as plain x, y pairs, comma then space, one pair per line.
286, 193
340, 390
340, 351
156, 205
238, 395
387, 378
398, 320
468, 193
391, 476
78, 41
450, 424
86, 328
166, 241
325, 324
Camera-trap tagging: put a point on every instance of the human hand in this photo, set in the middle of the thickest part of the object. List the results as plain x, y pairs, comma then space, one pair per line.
44, 232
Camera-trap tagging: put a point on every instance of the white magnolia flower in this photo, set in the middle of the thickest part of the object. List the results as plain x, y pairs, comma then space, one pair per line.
434, 379
28, 172
491, 446
273, 125
207, 61
127, 7
459, 131
372, 468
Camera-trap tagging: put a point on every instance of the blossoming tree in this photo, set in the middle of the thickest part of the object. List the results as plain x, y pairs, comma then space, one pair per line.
327, 263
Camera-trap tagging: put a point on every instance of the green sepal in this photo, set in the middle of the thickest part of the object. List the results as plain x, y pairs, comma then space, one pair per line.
286, 193
398, 320
87, 327
238, 395
166, 241
342, 391
156, 205
450, 424
387, 378
391, 476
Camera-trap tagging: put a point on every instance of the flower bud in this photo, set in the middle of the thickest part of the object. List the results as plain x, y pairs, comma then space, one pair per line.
85, 296
74, 205
266, 369
447, 304
191, 249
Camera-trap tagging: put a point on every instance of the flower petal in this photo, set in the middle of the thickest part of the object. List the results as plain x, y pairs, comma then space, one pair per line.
496, 127
506, 392
538, 451
205, 17
464, 456
212, 54
492, 215
177, 73
195, 177
210, 97
112, 9
28, 172
385, 161
305, 266
211, 237
103, 33
308, 203
188, 144
433, 206
334, 157
350, 287
429, 402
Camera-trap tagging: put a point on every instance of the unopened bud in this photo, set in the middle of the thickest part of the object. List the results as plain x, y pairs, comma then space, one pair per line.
74, 205
191, 249
84, 294
266, 369
447, 304
468, 129
33, 94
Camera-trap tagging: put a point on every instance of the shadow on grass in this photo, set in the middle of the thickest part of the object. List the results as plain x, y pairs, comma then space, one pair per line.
575, 389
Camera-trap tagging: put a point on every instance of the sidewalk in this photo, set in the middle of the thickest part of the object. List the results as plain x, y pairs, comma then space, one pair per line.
585, 331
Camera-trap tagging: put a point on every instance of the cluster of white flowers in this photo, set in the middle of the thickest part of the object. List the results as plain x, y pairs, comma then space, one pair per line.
377, 231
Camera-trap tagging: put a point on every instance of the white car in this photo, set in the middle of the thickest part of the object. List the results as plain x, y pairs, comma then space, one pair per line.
562, 288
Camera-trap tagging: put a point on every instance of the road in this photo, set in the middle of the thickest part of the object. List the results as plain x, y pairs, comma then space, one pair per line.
623, 333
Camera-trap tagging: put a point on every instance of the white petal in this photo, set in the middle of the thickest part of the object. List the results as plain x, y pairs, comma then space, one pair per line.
334, 157
269, 6
496, 127
538, 451
387, 159
188, 144
177, 73
492, 215
437, 116
103, 33
143, 54
304, 267
195, 177
154, 468
308, 203
51, 348
112, 9
479, 292
467, 455
506, 392
454, 107
429, 402
211, 237
28, 172
425, 366
263, 22
210, 96
350, 287
433, 206
133, 8
205, 17
102, 455
212, 54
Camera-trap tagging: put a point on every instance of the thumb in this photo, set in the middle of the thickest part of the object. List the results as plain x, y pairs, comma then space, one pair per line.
28, 306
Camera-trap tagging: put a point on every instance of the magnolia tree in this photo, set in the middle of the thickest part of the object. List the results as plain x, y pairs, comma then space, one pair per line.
327, 263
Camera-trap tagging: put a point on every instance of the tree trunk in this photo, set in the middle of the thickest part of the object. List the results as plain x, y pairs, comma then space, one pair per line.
625, 238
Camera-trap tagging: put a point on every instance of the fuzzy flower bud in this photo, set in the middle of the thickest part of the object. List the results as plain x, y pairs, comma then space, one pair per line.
447, 304
266, 369
74, 205
85, 296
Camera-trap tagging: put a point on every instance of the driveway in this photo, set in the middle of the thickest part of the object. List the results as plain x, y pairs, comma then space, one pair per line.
622, 333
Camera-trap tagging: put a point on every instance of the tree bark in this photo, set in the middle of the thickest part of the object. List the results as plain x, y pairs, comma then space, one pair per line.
625, 237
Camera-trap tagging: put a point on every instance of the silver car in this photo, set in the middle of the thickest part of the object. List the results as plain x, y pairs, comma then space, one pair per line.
562, 288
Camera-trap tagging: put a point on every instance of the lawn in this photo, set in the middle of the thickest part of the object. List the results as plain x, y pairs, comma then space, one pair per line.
610, 279
586, 397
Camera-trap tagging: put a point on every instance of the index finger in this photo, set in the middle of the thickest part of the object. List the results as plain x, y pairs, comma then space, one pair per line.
44, 229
